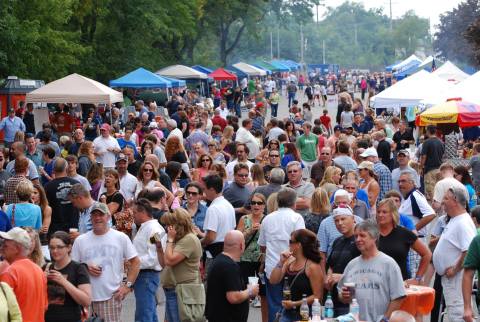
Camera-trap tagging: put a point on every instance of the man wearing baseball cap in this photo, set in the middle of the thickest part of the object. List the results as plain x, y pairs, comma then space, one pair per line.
381, 170
25, 278
403, 157
106, 147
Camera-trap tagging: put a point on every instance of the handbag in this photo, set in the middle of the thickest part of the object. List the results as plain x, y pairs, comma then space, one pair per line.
280, 313
191, 300
124, 220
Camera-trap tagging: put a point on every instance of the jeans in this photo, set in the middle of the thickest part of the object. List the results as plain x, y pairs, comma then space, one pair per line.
145, 288
230, 104
274, 108
274, 299
291, 97
171, 306
238, 110
290, 316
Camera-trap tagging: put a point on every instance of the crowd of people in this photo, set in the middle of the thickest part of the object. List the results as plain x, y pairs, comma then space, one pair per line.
211, 211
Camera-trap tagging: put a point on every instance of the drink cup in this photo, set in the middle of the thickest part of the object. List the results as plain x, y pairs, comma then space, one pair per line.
252, 280
73, 230
351, 288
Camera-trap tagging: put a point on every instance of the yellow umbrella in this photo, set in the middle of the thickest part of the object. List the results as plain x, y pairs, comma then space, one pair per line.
446, 112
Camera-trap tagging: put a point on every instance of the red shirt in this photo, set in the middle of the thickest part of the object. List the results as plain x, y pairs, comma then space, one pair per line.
64, 122
220, 121
326, 120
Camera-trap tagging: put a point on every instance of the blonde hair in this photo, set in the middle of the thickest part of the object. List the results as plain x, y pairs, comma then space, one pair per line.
320, 203
36, 255
392, 208
258, 175
228, 132
24, 190
272, 203
328, 175
181, 219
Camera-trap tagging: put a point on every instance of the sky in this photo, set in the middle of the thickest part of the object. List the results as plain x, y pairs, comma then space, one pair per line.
424, 8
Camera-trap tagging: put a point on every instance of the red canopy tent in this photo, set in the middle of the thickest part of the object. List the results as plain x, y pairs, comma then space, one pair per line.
221, 74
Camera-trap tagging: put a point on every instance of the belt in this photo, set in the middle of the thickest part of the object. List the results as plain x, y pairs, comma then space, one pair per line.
149, 270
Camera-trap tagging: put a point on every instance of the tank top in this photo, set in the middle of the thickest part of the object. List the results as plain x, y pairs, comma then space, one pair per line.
301, 285
373, 208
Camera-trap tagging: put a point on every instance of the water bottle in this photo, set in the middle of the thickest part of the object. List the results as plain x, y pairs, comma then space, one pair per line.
286, 291
328, 307
316, 311
355, 309
304, 312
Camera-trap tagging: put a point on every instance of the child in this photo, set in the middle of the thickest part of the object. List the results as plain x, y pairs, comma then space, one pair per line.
326, 121
346, 118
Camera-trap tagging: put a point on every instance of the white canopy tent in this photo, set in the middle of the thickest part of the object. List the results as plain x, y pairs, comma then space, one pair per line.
467, 90
451, 72
181, 72
249, 69
411, 91
75, 88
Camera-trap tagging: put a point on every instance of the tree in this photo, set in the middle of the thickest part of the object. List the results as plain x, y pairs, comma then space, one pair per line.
473, 37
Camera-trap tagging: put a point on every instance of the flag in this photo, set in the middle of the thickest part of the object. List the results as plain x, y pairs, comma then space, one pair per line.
434, 66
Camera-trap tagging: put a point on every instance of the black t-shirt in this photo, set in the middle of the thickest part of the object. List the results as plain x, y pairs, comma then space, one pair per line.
64, 214
384, 151
397, 245
180, 157
225, 276
77, 274
398, 137
115, 197
433, 148
134, 167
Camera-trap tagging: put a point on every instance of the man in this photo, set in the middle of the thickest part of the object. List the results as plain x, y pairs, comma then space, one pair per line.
403, 158
343, 251
237, 193
140, 108
227, 295
307, 145
133, 164
244, 135
343, 157
10, 125
274, 162
349, 137
381, 170
303, 189
29, 119
148, 278
219, 120
18, 151
64, 214
359, 125
333, 139
32, 153
106, 147
158, 200
471, 263
220, 217
4, 176
27, 280
241, 152
452, 248
403, 137
46, 141
274, 238
82, 200
72, 161
10, 190
128, 182
276, 179
292, 91
78, 139
379, 288
197, 136
274, 131
222, 110
104, 251
269, 86
384, 149
62, 122
127, 140
441, 187
174, 130
430, 160
359, 206
324, 161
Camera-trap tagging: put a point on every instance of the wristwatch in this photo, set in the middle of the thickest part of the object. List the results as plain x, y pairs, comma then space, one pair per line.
129, 284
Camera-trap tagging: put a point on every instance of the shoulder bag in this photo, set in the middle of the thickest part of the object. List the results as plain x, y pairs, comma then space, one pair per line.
191, 300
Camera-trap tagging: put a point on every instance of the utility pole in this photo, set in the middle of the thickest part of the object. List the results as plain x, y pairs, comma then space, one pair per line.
391, 16
302, 44
278, 41
323, 49
271, 45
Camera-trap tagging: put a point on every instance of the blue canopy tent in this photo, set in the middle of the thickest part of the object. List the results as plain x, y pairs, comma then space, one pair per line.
175, 82
203, 69
237, 72
141, 78
279, 67
294, 63
389, 67
291, 66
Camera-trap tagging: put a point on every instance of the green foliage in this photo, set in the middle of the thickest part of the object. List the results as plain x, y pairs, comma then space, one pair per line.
473, 37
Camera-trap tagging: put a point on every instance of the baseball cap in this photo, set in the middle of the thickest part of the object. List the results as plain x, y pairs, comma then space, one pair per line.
10, 110
172, 123
404, 152
105, 127
153, 125
122, 157
342, 211
18, 235
337, 128
259, 104
366, 165
99, 206
370, 152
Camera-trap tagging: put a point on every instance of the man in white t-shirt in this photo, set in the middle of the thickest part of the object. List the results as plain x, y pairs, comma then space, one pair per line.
452, 248
106, 147
104, 251
274, 238
128, 182
442, 186
245, 136
241, 152
72, 161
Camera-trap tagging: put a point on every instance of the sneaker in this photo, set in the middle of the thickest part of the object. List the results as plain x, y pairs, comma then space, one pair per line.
256, 302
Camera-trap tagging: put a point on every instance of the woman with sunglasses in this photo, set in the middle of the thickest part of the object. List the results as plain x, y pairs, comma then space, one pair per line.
369, 185
251, 259
194, 206
214, 152
73, 277
301, 269
263, 156
203, 166
147, 177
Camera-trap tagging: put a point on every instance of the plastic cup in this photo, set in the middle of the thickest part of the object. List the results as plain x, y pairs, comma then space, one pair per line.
252, 280
73, 230
351, 288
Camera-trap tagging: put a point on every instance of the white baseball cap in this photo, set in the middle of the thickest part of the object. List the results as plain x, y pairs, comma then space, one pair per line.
370, 152
18, 235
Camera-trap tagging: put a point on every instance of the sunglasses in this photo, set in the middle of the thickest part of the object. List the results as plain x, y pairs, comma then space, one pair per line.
257, 203
242, 175
192, 193
274, 156
147, 170
324, 153
206, 160
211, 145
292, 171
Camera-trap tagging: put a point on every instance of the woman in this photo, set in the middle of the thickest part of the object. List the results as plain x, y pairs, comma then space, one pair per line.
272, 203
203, 166
227, 138
258, 177
180, 258
86, 157
331, 180
73, 277
92, 125
24, 213
219, 169
357, 106
95, 178
369, 185
9, 309
197, 210
214, 152
290, 154
112, 197
461, 174
39, 198
300, 266
174, 151
173, 170
251, 259
292, 133
396, 241
48, 158
147, 177
319, 210
262, 157
35, 253
147, 148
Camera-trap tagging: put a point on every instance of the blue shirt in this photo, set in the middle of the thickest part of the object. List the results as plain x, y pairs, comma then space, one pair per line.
472, 201
5, 224
406, 222
123, 143
11, 126
25, 214
199, 217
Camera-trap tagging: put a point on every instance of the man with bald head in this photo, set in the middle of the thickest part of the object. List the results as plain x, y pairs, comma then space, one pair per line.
227, 294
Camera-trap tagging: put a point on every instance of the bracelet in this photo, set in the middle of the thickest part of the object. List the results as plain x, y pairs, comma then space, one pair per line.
279, 265
170, 242
418, 278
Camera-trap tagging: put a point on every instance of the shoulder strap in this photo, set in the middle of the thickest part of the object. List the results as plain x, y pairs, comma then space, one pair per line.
6, 300
298, 274
12, 220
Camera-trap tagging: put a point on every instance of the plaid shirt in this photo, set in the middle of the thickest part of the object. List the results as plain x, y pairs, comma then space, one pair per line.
384, 179
10, 193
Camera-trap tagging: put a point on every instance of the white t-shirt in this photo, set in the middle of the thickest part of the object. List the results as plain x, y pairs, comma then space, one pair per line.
275, 234
220, 218
83, 181
454, 240
110, 252
147, 252
223, 112
231, 165
101, 145
442, 186
245, 136
274, 133
128, 186
316, 89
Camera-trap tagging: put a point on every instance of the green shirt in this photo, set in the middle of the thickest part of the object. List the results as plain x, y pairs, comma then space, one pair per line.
308, 147
472, 260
